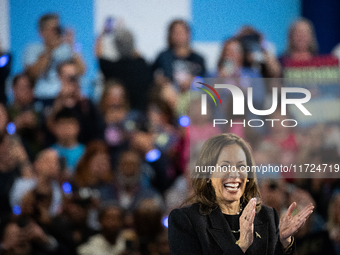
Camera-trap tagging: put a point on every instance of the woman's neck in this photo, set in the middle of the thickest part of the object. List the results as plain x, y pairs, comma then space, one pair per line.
68, 143
302, 55
230, 208
182, 51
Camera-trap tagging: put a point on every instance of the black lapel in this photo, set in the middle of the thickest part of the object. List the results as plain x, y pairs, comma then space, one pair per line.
260, 242
221, 232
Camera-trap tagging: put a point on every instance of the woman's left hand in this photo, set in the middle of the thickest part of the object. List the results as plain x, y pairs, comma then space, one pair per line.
289, 224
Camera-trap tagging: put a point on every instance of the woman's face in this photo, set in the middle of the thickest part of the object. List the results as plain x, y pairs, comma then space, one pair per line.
301, 36
179, 35
229, 186
233, 52
99, 165
116, 96
23, 93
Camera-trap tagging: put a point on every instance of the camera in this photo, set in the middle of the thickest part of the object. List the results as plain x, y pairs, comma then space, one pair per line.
252, 45
73, 78
59, 30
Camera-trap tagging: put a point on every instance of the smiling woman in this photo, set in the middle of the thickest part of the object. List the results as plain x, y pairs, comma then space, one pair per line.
226, 215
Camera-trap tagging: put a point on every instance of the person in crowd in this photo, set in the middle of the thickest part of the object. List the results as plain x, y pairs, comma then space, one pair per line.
227, 215
46, 178
257, 53
302, 43
161, 172
162, 243
66, 130
94, 170
5, 69
131, 69
231, 70
90, 121
200, 125
273, 194
231, 64
179, 60
23, 113
41, 60
13, 241
147, 222
336, 51
14, 160
111, 239
231, 59
70, 227
38, 205
120, 121
285, 139
312, 237
162, 125
132, 181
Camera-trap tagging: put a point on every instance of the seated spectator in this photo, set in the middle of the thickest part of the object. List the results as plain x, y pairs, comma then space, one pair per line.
110, 240
285, 139
34, 221
46, 177
5, 69
120, 121
130, 68
159, 170
71, 227
13, 241
302, 43
91, 123
273, 194
41, 60
132, 184
14, 162
200, 125
94, 170
147, 220
162, 125
179, 60
312, 238
23, 113
161, 246
66, 131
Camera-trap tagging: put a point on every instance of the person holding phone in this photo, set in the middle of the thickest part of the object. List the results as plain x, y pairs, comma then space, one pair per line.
129, 67
41, 60
226, 216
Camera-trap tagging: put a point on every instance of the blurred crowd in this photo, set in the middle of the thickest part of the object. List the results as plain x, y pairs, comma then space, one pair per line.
80, 176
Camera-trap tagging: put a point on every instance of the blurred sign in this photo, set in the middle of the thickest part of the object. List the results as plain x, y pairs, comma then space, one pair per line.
321, 67
320, 75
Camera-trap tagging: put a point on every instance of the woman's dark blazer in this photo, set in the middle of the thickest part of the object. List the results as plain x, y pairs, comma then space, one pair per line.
192, 233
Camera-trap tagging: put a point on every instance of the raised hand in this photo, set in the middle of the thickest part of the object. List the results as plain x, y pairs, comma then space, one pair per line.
247, 225
289, 224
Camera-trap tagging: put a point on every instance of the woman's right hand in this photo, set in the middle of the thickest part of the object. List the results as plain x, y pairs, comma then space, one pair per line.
247, 226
